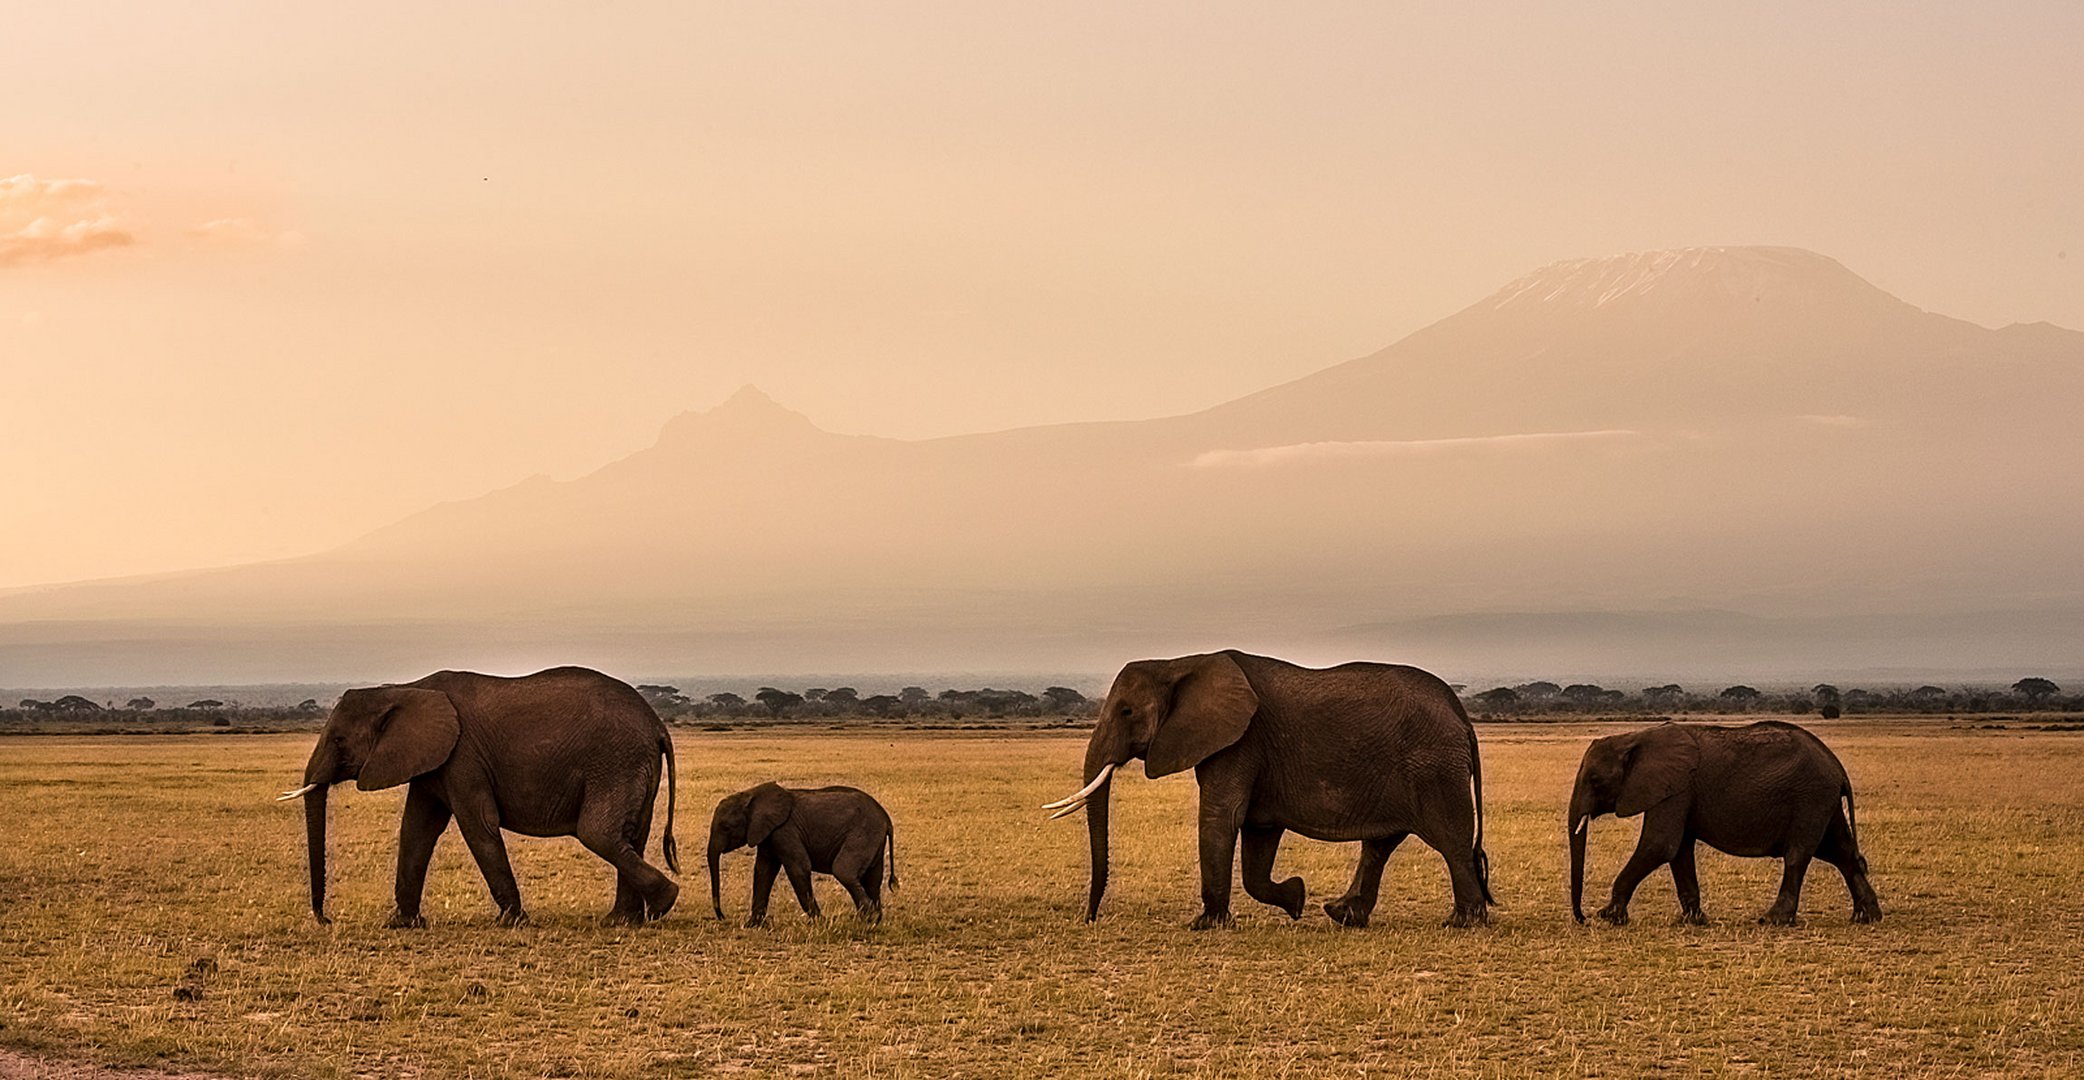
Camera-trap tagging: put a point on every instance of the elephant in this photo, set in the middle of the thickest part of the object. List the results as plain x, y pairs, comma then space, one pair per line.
1764, 789
1362, 751
563, 752
841, 831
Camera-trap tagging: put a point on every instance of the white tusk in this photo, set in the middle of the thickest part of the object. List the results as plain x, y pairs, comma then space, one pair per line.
1105, 772
1068, 810
297, 794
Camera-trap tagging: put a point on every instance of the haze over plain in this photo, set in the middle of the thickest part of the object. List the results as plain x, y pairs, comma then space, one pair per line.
272, 284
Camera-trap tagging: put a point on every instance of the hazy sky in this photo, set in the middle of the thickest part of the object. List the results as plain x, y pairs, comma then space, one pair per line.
273, 274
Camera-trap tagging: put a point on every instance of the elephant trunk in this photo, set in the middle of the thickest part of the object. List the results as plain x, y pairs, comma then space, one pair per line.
716, 881
1098, 769
1580, 830
315, 837
318, 777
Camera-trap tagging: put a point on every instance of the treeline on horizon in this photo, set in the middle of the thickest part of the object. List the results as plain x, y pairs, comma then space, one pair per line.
1538, 699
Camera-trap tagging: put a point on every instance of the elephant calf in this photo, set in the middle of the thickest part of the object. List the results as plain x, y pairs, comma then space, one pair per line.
1765, 789
840, 831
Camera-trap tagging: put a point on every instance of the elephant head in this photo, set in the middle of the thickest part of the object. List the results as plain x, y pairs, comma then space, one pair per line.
1625, 775
378, 737
745, 819
1171, 713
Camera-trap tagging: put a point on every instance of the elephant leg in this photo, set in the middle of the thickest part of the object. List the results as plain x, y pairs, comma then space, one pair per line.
764, 869
1220, 820
1839, 850
1455, 840
489, 848
857, 864
1686, 879
872, 881
606, 831
630, 907
1259, 846
1663, 828
1795, 865
1354, 908
425, 818
799, 880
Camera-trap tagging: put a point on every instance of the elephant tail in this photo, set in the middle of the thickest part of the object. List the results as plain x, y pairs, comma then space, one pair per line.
890, 838
670, 846
1482, 859
1852, 825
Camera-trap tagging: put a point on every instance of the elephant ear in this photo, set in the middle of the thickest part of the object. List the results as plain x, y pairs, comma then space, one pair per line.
1212, 704
415, 732
1657, 765
771, 805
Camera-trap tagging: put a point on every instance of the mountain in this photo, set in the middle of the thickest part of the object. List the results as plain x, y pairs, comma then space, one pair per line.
1587, 468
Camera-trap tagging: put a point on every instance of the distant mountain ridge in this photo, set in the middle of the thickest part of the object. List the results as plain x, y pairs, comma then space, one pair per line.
1752, 429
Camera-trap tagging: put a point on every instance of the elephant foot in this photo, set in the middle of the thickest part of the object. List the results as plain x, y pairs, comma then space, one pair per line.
756, 922
657, 905
1210, 920
1867, 914
512, 917
623, 917
1347, 912
1777, 917
401, 921
1613, 915
871, 914
1289, 896
1463, 919
1693, 917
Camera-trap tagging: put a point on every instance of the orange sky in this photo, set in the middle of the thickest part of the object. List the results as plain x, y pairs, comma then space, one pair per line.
276, 274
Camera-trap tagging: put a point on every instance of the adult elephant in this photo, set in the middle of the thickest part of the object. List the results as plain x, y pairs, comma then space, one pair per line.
563, 752
1764, 789
1367, 752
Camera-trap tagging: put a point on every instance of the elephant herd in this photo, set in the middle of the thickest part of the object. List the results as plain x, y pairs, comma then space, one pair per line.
1361, 752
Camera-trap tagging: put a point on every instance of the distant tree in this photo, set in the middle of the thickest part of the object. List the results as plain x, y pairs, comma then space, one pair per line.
74, 703
777, 701
220, 721
664, 698
34, 705
1538, 689
815, 693
1584, 693
912, 695
1499, 697
206, 703
846, 697
140, 704
1928, 693
1063, 698
1831, 711
1662, 696
880, 704
308, 705
1740, 695
2035, 688
726, 700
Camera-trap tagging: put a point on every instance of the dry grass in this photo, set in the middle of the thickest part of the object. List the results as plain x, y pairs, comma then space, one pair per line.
127, 860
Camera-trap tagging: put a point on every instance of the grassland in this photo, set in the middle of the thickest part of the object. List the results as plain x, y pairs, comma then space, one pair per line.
133, 868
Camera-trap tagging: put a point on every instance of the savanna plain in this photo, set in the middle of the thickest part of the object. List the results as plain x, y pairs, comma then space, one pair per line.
153, 912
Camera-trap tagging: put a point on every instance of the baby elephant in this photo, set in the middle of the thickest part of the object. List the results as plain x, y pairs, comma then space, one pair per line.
1770, 789
840, 831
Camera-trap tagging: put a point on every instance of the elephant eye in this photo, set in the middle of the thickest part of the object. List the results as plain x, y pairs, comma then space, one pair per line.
1125, 709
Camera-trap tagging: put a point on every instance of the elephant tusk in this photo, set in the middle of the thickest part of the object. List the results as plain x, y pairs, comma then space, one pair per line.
297, 794
1068, 810
1080, 796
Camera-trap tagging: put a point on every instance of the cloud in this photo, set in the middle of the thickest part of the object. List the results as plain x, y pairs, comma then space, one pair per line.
243, 232
1301, 453
46, 220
